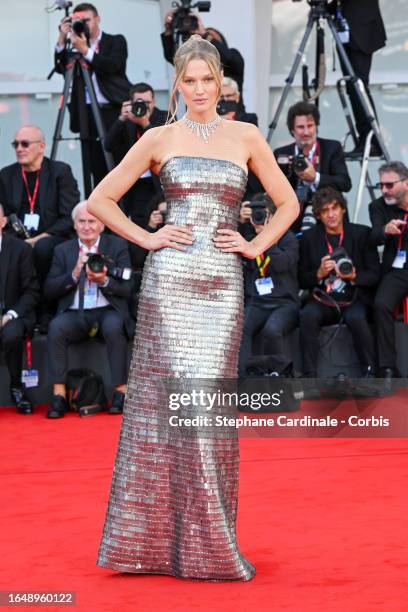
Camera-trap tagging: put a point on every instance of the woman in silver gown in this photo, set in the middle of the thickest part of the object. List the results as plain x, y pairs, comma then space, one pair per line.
173, 501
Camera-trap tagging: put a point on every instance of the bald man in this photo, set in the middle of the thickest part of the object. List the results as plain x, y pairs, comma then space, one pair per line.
42, 193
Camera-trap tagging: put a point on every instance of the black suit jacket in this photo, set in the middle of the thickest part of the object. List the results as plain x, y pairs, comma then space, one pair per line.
313, 247
19, 290
380, 214
60, 285
367, 32
332, 165
109, 66
57, 195
122, 135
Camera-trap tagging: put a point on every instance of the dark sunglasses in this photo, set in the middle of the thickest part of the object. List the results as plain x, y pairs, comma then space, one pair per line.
24, 143
388, 184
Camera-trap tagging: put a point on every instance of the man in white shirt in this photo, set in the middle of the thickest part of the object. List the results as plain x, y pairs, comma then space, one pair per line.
106, 56
90, 302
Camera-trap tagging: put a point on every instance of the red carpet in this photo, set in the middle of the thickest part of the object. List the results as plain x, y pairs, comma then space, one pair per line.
324, 521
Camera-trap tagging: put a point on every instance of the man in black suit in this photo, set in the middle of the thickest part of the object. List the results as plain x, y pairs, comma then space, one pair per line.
271, 292
89, 302
106, 57
367, 35
42, 193
324, 164
122, 135
18, 297
336, 291
389, 216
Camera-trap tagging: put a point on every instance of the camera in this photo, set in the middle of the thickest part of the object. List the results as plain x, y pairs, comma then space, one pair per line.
18, 227
343, 262
79, 27
259, 210
183, 21
226, 106
97, 262
139, 108
290, 164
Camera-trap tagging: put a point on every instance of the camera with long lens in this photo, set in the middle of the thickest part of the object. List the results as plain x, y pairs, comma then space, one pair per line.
344, 264
139, 107
184, 21
226, 106
97, 262
290, 164
18, 227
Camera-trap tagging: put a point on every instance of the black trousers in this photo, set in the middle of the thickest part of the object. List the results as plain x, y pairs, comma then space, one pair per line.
315, 314
361, 63
393, 288
69, 327
274, 322
12, 338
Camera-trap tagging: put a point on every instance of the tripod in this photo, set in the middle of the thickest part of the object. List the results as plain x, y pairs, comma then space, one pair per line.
318, 13
77, 74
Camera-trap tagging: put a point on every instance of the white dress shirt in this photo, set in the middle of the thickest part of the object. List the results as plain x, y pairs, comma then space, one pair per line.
100, 299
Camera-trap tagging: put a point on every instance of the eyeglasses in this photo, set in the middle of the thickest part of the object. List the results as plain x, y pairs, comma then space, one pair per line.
24, 143
388, 184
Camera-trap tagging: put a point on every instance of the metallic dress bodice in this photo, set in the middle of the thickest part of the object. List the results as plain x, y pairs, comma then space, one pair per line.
173, 501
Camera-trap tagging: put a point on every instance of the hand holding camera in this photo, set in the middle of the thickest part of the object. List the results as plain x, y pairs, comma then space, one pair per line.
137, 112
308, 173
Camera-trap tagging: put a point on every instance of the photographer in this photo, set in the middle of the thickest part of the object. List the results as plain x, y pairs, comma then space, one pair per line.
367, 35
138, 115
92, 299
310, 162
106, 56
38, 195
389, 216
231, 59
19, 295
271, 291
340, 267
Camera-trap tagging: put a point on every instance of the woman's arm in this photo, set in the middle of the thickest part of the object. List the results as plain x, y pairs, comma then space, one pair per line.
262, 162
102, 202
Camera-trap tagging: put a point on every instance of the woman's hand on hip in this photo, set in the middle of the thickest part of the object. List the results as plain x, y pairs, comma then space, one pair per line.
229, 241
172, 236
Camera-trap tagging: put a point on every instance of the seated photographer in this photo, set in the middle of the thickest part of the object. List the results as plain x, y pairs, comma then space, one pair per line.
271, 291
340, 267
187, 23
138, 115
19, 295
38, 195
106, 56
310, 162
90, 278
389, 216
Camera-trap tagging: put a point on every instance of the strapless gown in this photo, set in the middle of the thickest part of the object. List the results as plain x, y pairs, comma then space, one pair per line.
173, 500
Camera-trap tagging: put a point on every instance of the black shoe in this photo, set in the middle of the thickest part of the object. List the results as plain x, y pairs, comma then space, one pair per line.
24, 406
58, 407
118, 401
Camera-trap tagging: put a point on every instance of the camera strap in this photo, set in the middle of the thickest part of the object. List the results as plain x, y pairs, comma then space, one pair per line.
327, 300
329, 246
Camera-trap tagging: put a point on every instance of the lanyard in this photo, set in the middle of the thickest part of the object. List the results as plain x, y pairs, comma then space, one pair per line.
402, 233
329, 246
262, 264
316, 155
31, 198
29, 354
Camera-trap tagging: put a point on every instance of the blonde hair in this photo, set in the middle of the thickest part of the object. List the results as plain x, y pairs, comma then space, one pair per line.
195, 47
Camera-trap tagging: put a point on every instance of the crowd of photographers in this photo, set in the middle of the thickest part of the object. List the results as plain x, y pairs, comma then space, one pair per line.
62, 274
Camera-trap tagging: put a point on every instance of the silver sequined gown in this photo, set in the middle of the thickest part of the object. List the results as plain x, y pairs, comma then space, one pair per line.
173, 501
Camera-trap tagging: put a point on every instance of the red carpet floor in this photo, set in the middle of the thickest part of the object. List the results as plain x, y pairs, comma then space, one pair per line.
324, 521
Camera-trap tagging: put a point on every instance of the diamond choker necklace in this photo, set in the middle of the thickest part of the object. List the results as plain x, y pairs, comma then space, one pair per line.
202, 130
